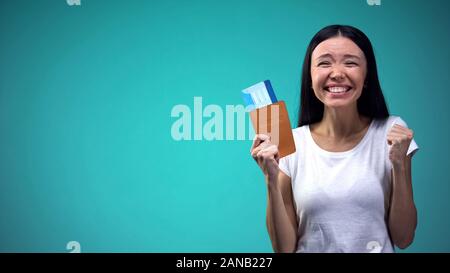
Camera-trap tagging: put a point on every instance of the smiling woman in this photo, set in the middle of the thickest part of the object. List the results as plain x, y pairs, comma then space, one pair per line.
348, 186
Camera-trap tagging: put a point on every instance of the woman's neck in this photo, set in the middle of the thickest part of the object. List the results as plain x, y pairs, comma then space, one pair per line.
341, 123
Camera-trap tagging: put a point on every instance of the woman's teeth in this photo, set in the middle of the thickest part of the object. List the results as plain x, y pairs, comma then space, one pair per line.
337, 89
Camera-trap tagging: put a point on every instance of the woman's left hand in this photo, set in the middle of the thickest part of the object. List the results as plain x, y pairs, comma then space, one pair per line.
399, 138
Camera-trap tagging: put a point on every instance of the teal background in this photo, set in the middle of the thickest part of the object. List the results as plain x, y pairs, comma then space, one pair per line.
86, 93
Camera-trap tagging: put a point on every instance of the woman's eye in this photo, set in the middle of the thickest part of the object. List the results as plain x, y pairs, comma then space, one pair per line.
323, 64
351, 63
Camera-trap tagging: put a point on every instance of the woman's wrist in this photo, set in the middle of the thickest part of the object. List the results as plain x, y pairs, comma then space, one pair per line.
272, 182
399, 165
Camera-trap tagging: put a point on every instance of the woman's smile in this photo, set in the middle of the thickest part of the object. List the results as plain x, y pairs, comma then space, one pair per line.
337, 91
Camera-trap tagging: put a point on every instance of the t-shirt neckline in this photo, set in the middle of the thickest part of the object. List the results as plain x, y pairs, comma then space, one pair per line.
339, 154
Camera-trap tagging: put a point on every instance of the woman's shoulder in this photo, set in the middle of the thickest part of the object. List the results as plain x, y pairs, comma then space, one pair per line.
300, 135
300, 131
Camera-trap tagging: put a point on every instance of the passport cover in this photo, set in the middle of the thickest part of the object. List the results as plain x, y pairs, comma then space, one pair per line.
273, 120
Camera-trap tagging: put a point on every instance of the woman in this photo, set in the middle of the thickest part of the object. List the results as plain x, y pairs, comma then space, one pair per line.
348, 186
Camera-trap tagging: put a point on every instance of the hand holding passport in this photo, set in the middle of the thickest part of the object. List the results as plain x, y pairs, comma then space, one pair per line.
269, 116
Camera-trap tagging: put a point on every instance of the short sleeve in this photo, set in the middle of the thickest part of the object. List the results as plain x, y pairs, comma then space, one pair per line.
413, 148
283, 164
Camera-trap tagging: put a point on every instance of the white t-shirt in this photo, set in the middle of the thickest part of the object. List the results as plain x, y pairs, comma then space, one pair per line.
342, 198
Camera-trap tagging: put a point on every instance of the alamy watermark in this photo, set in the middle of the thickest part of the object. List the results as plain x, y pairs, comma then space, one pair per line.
73, 2
374, 2
73, 247
214, 122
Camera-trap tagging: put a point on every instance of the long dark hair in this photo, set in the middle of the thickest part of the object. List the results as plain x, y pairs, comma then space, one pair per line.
371, 103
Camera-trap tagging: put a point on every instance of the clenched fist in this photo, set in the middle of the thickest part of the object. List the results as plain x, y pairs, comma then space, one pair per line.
399, 138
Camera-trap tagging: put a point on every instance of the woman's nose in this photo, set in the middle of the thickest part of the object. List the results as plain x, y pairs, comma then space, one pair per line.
337, 75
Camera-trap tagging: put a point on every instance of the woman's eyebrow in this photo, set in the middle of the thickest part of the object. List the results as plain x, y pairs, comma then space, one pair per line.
323, 56
346, 56
351, 56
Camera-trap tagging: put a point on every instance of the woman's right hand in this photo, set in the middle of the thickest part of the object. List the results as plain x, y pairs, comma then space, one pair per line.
266, 155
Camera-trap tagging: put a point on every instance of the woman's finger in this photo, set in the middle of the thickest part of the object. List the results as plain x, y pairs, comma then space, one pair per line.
401, 129
259, 138
269, 151
260, 147
399, 136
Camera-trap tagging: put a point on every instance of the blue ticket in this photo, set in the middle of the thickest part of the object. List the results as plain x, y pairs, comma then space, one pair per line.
259, 95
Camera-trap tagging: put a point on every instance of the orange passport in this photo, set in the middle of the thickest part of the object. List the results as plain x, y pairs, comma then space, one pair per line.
273, 120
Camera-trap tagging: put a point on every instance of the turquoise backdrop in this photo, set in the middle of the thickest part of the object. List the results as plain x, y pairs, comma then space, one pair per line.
86, 93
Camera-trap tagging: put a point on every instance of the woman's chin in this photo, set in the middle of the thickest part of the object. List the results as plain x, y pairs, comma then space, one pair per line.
338, 104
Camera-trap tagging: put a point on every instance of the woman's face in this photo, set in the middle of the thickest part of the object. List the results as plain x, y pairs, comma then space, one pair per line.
338, 72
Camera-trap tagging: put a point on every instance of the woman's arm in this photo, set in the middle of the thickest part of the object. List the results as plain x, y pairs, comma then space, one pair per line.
402, 212
281, 219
